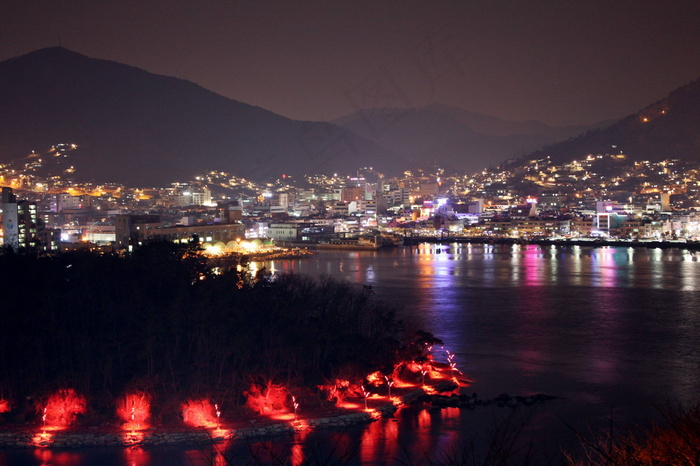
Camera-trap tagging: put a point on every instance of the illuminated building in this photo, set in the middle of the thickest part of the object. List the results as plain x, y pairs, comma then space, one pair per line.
665, 202
287, 231
399, 197
353, 193
131, 230
427, 189
229, 212
284, 231
209, 232
66, 201
20, 223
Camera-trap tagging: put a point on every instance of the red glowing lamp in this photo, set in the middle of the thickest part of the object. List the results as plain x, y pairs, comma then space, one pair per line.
201, 413
135, 410
62, 408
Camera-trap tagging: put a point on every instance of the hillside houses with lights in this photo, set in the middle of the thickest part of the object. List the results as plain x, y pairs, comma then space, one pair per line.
602, 196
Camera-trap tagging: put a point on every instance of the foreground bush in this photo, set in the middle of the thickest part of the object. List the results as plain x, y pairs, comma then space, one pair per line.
159, 322
677, 443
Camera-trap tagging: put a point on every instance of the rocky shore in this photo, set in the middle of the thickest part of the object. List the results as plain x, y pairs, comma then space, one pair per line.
162, 436
157, 436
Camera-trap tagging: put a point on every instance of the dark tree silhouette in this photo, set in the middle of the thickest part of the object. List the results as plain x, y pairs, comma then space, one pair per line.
158, 320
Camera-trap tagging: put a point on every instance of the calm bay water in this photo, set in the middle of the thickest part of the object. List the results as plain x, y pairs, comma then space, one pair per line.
612, 332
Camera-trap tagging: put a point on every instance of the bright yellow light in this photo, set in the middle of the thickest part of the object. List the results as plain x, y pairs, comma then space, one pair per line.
248, 245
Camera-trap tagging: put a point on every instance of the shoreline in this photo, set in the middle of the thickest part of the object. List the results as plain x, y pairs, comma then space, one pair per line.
234, 258
650, 244
307, 249
72, 438
431, 397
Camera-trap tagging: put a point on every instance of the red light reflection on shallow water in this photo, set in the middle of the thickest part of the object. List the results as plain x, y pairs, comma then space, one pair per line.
137, 456
379, 443
49, 457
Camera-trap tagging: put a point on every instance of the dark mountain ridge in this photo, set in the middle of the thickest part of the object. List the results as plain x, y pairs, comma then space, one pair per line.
495, 126
666, 129
139, 128
142, 129
454, 138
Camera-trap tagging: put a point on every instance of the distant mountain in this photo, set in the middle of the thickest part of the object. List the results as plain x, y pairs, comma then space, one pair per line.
495, 126
667, 129
139, 128
453, 137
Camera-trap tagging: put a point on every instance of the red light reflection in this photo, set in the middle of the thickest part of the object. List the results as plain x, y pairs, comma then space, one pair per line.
297, 457
53, 458
219, 457
450, 413
378, 442
137, 456
424, 419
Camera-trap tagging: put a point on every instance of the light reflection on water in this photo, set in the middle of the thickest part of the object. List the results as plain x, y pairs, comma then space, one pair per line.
611, 331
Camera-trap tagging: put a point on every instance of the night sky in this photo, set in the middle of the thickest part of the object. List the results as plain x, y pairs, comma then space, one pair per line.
561, 62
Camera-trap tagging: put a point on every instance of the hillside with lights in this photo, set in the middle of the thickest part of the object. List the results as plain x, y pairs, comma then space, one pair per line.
667, 129
143, 129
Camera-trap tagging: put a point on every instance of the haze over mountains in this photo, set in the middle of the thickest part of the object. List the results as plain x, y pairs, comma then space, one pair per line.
142, 129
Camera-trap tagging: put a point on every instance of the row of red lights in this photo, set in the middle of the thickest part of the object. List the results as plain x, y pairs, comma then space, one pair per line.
62, 408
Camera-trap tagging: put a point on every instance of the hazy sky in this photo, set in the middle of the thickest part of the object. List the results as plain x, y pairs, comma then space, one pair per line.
561, 62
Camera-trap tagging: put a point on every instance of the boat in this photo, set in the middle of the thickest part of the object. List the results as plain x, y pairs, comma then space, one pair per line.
363, 243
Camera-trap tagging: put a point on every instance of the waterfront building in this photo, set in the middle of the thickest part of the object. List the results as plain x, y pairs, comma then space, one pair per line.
631, 228
582, 226
206, 232
131, 230
286, 231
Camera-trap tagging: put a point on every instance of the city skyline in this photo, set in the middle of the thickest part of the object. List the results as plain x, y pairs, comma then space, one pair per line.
488, 197
577, 63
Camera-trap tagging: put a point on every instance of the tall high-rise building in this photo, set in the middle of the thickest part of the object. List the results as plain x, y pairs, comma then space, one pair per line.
20, 222
665, 202
8, 204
